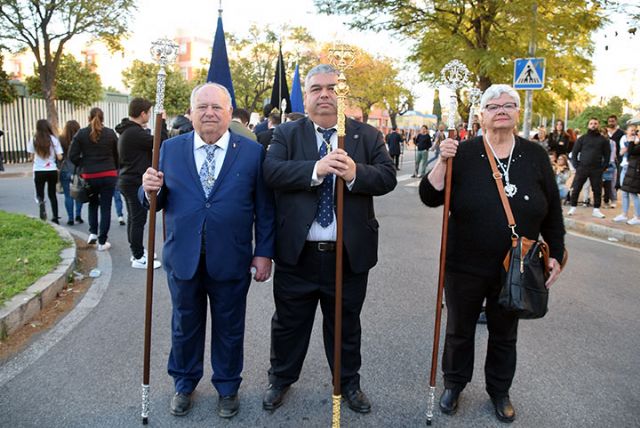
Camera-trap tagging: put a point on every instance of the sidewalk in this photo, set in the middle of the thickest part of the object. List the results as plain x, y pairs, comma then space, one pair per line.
603, 228
17, 170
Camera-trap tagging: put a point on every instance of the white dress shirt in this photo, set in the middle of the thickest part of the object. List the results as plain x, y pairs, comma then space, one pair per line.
200, 152
317, 232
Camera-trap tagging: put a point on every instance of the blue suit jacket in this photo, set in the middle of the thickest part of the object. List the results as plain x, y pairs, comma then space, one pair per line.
239, 200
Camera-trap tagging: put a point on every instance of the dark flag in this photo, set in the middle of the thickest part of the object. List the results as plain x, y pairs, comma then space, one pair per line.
297, 104
280, 89
219, 71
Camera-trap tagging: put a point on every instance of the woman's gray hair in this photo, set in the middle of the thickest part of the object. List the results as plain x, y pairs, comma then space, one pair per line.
494, 91
216, 85
319, 69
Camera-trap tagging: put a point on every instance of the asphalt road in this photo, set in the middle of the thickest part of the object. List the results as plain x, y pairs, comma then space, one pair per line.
577, 367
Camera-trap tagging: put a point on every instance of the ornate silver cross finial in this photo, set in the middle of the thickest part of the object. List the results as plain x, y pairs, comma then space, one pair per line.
163, 52
454, 75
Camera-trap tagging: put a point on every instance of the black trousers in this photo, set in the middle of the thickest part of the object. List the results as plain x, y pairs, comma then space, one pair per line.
136, 217
297, 291
464, 294
595, 178
396, 160
101, 198
50, 178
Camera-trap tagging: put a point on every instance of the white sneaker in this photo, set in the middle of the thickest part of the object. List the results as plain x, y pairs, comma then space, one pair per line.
121, 221
597, 213
634, 221
104, 247
93, 238
141, 263
155, 256
571, 211
620, 218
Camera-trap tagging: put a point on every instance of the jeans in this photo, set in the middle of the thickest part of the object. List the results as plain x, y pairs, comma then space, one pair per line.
421, 162
102, 189
136, 217
118, 201
50, 178
69, 202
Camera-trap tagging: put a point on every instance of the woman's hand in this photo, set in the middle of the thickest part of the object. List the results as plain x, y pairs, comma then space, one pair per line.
554, 269
448, 149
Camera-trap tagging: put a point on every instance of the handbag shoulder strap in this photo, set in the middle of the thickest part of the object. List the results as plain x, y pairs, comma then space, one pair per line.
497, 176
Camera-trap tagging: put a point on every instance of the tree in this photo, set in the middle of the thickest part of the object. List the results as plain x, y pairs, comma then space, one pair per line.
45, 26
141, 79
487, 35
374, 82
252, 61
7, 91
614, 106
76, 82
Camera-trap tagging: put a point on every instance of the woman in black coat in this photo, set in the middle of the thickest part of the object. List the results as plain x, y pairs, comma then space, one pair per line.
631, 183
95, 151
479, 238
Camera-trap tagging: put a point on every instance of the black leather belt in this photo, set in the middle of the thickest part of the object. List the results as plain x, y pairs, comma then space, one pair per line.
321, 246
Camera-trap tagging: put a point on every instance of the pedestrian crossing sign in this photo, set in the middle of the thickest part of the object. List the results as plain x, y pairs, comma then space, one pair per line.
528, 73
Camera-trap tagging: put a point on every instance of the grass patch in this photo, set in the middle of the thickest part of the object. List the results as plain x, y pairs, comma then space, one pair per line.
29, 249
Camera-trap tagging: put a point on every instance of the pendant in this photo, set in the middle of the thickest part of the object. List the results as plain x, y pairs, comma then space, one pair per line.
510, 190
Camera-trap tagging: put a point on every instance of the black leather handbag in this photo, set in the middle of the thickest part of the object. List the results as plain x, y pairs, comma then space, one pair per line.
525, 266
79, 188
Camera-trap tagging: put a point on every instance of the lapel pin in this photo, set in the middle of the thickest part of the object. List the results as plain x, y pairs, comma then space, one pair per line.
355, 137
234, 145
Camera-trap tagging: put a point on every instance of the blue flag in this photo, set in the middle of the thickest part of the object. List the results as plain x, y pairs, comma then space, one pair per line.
297, 104
219, 71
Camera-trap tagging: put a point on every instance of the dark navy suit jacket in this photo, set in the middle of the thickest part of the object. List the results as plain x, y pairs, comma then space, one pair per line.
239, 205
288, 167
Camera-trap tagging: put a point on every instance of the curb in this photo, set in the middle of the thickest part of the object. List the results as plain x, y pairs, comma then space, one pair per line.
603, 232
23, 307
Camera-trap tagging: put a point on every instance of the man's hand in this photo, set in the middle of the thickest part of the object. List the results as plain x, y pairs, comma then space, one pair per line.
554, 269
152, 180
339, 163
262, 266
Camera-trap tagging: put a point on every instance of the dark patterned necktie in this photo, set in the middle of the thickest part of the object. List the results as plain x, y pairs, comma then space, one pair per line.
208, 169
324, 215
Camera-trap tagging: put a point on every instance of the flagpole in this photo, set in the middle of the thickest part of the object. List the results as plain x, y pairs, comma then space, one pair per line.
164, 52
342, 58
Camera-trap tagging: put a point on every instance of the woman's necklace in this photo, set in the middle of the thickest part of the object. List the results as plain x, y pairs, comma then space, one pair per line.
509, 188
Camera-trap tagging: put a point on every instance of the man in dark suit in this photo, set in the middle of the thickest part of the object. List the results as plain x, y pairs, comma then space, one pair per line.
264, 137
394, 141
301, 168
211, 187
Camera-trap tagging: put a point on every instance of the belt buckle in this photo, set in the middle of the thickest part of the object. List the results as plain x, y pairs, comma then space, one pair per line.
325, 246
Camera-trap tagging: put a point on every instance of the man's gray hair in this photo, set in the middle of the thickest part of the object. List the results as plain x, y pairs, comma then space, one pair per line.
215, 85
319, 69
494, 91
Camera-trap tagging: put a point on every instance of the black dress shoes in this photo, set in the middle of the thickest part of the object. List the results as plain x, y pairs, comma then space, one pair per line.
273, 397
180, 404
357, 400
504, 409
228, 406
449, 401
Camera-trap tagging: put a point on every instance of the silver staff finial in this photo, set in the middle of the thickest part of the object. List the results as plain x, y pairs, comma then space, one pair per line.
163, 51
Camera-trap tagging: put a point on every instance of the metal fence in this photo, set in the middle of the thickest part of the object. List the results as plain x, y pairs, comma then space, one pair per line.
18, 121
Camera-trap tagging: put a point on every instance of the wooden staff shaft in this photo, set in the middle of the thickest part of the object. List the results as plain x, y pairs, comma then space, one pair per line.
337, 343
151, 244
441, 270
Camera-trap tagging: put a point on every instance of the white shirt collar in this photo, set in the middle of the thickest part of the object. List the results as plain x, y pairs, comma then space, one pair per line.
222, 143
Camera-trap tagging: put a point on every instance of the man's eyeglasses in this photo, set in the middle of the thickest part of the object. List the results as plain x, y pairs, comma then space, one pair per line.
508, 107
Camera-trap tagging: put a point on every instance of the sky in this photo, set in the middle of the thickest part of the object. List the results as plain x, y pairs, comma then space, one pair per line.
161, 18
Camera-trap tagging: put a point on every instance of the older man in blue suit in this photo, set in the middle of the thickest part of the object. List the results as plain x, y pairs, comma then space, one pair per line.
211, 187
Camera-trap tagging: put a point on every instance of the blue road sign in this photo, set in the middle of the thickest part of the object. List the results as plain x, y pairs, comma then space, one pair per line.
528, 73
